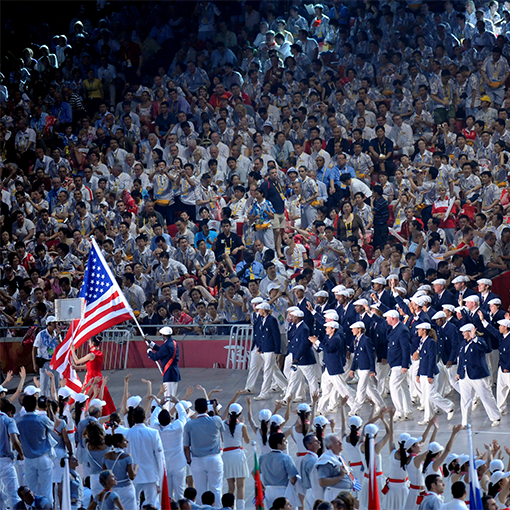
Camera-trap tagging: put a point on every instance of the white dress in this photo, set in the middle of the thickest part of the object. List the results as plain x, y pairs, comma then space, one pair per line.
363, 497
264, 448
353, 455
235, 464
301, 450
416, 479
397, 489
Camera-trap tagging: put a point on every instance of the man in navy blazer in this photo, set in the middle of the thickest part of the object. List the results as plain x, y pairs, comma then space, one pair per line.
383, 296
263, 355
303, 357
485, 293
442, 296
463, 291
334, 348
472, 373
302, 304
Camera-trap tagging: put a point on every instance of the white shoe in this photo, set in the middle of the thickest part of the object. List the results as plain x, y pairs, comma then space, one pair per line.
262, 397
409, 417
496, 423
398, 417
352, 413
298, 399
420, 408
504, 413
282, 402
449, 414
274, 390
423, 423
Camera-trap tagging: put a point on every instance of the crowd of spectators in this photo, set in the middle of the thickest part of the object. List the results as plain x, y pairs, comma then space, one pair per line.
226, 152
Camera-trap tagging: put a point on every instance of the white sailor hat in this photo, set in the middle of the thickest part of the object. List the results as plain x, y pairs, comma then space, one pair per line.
321, 293
484, 281
380, 280
438, 315
360, 302
358, 324
467, 327
439, 281
391, 313
424, 325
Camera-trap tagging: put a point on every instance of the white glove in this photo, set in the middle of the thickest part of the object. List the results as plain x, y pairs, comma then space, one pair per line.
152, 344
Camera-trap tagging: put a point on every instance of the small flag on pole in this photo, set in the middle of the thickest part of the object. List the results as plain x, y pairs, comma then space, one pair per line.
259, 491
373, 490
475, 493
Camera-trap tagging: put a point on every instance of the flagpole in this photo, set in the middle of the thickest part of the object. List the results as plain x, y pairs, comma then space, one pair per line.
146, 341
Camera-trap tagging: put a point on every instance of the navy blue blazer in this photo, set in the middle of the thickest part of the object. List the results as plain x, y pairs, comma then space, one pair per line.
484, 302
349, 316
308, 318
334, 352
447, 298
448, 341
364, 355
468, 318
301, 347
318, 324
411, 323
256, 318
472, 361
428, 358
467, 292
165, 353
503, 346
378, 331
270, 338
399, 344
387, 299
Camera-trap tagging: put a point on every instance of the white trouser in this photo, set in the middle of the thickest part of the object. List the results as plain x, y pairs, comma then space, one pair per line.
176, 480
265, 361
430, 398
331, 385
493, 364
8, 482
310, 373
414, 385
399, 391
347, 369
150, 491
287, 371
366, 385
502, 389
382, 377
39, 476
170, 391
127, 495
452, 374
480, 387
45, 380
208, 476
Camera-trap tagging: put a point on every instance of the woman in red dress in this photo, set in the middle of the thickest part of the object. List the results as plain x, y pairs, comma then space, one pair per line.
93, 362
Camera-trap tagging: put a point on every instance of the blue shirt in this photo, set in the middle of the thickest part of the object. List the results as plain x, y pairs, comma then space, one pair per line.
35, 430
7, 427
63, 112
166, 237
202, 435
209, 240
336, 172
277, 468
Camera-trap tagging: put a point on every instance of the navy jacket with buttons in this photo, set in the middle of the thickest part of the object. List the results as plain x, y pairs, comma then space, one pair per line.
500, 315
270, 339
334, 352
165, 353
300, 347
448, 341
428, 358
364, 355
318, 321
399, 343
256, 318
504, 347
348, 317
308, 318
472, 361
447, 298
378, 330
484, 302
473, 318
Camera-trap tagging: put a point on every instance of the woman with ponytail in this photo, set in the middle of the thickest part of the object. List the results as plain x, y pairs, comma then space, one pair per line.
59, 433
320, 423
300, 429
351, 441
372, 428
121, 465
235, 465
499, 487
436, 454
410, 453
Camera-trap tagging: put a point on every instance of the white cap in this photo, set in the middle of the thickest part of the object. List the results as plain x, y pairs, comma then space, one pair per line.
304, 408
342, 292
331, 314
419, 293
31, 390
411, 442
263, 306
291, 309
134, 401
401, 289
256, 300
332, 324
391, 313
51, 318
450, 308
495, 301
439, 281
424, 325
404, 436
439, 315
460, 279
472, 299
485, 281
479, 463
360, 302
62, 392
358, 324
264, 415
320, 421
496, 465
166, 331
298, 287
497, 476
425, 287
210, 407
235, 408
418, 300
392, 277
337, 288
273, 286
371, 428
379, 280
186, 404
3, 389
435, 447
350, 292
321, 293
97, 402
298, 313
504, 322
450, 458
426, 299
355, 421
463, 459
467, 327
460, 309
277, 419
81, 397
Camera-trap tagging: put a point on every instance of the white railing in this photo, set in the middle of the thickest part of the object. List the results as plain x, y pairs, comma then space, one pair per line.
239, 347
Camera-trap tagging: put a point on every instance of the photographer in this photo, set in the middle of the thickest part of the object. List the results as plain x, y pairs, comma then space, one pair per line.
233, 305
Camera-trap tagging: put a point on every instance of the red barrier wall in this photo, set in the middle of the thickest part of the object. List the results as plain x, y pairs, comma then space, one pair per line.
501, 287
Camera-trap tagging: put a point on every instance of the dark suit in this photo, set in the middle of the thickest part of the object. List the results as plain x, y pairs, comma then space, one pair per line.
168, 354
484, 302
447, 298
40, 503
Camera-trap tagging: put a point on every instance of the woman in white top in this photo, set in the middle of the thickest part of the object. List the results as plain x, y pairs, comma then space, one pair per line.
351, 444
499, 488
436, 454
235, 465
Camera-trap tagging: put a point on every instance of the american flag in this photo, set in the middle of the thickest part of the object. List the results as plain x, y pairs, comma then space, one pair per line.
105, 306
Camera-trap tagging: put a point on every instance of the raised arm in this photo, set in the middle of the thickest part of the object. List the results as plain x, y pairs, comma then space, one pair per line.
448, 448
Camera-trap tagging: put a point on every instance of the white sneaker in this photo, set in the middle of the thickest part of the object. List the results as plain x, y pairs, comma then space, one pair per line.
274, 390
496, 423
298, 399
262, 397
409, 417
282, 402
423, 422
504, 413
449, 414
398, 417
420, 408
